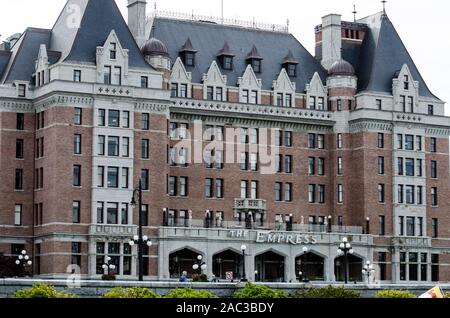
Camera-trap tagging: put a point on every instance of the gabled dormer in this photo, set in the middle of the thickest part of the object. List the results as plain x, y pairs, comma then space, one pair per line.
112, 62
255, 60
283, 90
290, 64
42, 75
181, 80
214, 84
316, 94
249, 87
187, 53
226, 57
405, 90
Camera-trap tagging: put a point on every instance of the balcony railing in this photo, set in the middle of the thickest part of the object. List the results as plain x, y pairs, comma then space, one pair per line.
115, 230
412, 241
250, 204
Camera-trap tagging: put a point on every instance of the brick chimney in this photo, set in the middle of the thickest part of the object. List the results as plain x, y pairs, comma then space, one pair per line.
136, 19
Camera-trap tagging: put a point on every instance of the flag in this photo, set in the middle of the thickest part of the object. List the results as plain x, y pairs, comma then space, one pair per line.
435, 292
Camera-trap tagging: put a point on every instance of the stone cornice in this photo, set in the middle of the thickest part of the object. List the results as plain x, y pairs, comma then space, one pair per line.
16, 106
370, 125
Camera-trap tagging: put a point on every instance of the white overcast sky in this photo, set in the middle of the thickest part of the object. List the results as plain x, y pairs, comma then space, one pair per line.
424, 26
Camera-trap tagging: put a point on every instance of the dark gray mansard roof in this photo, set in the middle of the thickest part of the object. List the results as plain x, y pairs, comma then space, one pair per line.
382, 56
99, 19
4, 59
209, 38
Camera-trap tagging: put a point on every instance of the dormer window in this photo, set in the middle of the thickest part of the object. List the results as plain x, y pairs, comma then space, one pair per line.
406, 82
255, 60
187, 53
225, 57
113, 51
290, 64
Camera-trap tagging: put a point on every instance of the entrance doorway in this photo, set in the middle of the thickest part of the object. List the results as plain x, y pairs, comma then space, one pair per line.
311, 265
227, 262
269, 267
355, 266
180, 261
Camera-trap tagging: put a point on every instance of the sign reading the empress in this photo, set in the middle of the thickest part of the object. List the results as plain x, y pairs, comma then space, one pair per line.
276, 238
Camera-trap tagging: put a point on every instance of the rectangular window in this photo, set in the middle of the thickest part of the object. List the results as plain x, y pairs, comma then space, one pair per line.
77, 144
311, 166
288, 192
124, 178
434, 197
107, 75
77, 117
339, 166
339, 105
245, 96
279, 99
434, 228
210, 93
321, 166
117, 76
20, 121
145, 182
380, 140
124, 219
312, 103
379, 104
208, 188
399, 141
219, 188
321, 103
145, 143
102, 117
340, 193
125, 119
77, 76
144, 214
19, 180
401, 223
254, 162
76, 212
174, 90
409, 167
144, 82
145, 121
410, 226
113, 146
278, 188
243, 189
403, 103
433, 144
19, 148
18, 215
113, 51
112, 213
278, 160
381, 193
413, 267
254, 190
321, 141
183, 188
219, 93
254, 97
23, 90
400, 194
113, 177
208, 159
381, 165
311, 141
419, 143
419, 167
409, 142
321, 194
288, 164
311, 193
381, 225
100, 177
114, 118
183, 130
420, 226
288, 139
278, 138
243, 161
411, 104
125, 147
172, 186
183, 90
430, 110
288, 100
400, 170
409, 191
76, 176
433, 169
219, 159
419, 195
339, 141
101, 145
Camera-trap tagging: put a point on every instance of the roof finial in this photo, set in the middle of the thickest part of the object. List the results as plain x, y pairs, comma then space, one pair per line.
384, 6
222, 12
354, 12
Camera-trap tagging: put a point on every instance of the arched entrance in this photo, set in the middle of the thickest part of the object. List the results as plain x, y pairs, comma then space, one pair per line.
269, 267
227, 262
311, 265
354, 265
180, 261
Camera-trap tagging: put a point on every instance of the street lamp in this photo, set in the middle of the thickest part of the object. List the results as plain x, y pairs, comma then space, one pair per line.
368, 270
108, 266
244, 276
145, 241
139, 239
344, 249
368, 225
330, 223
24, 259
305, 269
300, 274
200, 266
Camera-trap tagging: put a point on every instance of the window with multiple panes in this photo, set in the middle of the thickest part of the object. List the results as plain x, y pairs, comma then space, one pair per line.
145, 176
380, 140
77, 75
145, 144
76, 180
78, 116
76, 212
434, 196
381, 165
19, 148
433, 144
433, 169
381, 193
77, 144
18, 215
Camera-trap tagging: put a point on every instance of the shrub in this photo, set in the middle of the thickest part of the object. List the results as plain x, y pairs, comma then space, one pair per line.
258, 291
189, 293
199, 278
41, 290
135, 292
327, 292
395, 294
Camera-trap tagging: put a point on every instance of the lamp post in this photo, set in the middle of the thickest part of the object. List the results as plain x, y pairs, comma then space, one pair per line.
200, 266
108, 266
24, 259
139, 239
244, 276
344, 249
305, 265
300, 276
368, 270
368, 225
330, 223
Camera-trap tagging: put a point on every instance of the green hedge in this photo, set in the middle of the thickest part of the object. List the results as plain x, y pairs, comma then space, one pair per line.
135, 292
41, 290
395, 294
327, 292
258, 291
189, 293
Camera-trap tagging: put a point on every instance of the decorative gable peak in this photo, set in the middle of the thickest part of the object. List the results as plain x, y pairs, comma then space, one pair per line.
283, 82
249, 79
179, 73
214, 76
42, 59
